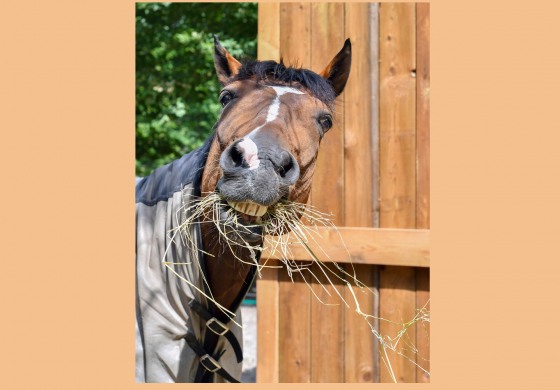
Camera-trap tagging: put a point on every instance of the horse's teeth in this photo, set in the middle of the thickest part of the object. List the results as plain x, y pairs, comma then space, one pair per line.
249, 208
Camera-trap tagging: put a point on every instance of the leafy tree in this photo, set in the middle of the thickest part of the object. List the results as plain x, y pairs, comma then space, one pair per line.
176, 86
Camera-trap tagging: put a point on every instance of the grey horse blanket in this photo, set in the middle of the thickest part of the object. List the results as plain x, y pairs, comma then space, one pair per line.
167, 323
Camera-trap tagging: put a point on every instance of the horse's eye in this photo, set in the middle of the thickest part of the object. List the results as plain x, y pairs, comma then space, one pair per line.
225, 97
325, 121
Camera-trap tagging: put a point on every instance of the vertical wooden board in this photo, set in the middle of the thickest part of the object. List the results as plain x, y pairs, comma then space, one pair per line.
327, 37
423, 114
423, 328
294, 329
295, 34
423, 176
295, 298
360, 360
269, 31
359, 345
267, 326
327, 341
397, 115
374, 65
397, 160
357, 120
397, 293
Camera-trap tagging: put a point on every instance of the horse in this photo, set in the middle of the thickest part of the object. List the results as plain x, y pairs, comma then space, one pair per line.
263, 152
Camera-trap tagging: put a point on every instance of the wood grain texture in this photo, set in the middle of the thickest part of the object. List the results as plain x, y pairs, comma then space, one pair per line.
423, 328
294, 329
397, 292
359, 343
360, 353
295, 34
268, 45
327, 319
327, 37
423, 115
404, 247
295, 298
358, 161
397, 133
423, 176
267, 321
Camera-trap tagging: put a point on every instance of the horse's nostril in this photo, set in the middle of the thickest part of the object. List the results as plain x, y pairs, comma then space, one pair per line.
236, 156
286, 163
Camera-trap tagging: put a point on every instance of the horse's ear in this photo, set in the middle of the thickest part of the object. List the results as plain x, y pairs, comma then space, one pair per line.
226, 66
338, 70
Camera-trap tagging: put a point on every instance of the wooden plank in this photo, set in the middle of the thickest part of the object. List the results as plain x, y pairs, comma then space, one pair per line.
403, 247
397, 159
327, 37
268, 46
267, 322
423, 328
361, 177
374, 45
294, 329
357, 121
374, 107
295, 34
359, 343
327, 316
295, 298
423, 115
397, 292
397, 115
327, 26
423, 177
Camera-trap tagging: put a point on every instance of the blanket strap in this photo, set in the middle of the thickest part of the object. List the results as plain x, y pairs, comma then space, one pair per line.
218, 327
206, 360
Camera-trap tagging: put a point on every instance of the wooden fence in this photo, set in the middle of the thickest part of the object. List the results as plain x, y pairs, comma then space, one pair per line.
373, 175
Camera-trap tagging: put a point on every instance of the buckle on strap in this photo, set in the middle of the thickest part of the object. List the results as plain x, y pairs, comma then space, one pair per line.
210, 363
216, 326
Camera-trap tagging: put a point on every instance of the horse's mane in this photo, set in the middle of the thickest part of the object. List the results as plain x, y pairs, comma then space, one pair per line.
273, 72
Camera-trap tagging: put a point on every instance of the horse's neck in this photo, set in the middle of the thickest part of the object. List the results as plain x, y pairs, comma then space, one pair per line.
226, 272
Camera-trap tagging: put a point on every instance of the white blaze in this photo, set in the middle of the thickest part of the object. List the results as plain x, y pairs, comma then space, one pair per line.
249, 150
248, 147
275, 106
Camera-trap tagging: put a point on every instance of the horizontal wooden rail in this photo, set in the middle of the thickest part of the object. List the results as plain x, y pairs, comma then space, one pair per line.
405, 247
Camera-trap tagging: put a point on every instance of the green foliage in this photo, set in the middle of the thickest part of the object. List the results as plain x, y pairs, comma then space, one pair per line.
176, 85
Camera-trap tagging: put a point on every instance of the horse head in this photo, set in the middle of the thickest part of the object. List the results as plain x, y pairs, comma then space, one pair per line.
268, 135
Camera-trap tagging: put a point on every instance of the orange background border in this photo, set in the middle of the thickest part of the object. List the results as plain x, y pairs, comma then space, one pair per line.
67, 153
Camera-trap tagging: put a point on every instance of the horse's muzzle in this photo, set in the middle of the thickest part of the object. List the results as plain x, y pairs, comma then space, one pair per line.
255, 173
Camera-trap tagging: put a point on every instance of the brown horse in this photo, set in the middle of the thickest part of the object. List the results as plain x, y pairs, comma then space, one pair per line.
263, 152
